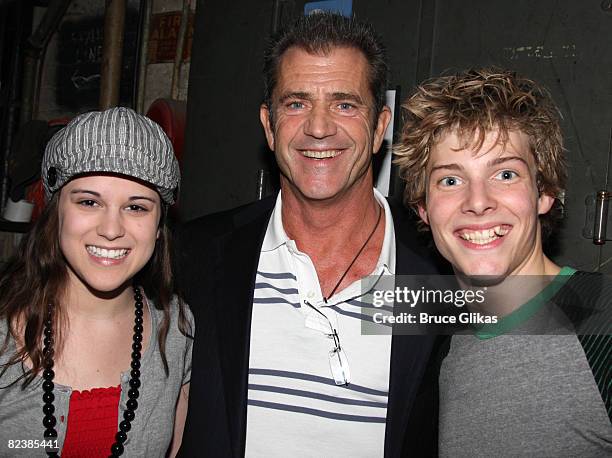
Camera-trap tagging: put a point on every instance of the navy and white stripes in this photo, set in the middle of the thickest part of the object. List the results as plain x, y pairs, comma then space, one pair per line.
294, 406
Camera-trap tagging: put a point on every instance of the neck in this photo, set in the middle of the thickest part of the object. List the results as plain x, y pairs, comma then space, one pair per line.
326, 223
335, 232
509, 294
81, 302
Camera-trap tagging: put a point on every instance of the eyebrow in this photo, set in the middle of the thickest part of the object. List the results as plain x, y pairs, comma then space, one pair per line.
504, 159
295, 95
334, 96
494, 162
97, 194
446, 167
347, 96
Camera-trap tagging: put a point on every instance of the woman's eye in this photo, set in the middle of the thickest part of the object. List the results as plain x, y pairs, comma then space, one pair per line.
87, 202
506, 175
136, 208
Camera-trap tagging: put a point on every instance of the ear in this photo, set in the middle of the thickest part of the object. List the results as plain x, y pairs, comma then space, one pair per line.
264, 117
545, 203
158, 234
381, 127
423, 213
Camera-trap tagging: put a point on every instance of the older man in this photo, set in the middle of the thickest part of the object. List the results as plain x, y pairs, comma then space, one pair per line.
483, 157
281, 367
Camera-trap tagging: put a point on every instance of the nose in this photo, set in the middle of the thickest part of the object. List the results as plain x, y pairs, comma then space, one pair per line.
320, 123
110, 225
480, 199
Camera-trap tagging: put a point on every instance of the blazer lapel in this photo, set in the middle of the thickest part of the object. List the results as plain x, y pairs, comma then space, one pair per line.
409, 354
239, 254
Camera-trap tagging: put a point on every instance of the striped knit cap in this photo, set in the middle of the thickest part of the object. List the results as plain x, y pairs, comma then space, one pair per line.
117, 140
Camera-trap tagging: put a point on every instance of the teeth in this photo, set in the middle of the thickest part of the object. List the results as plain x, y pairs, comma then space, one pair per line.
485, 236
499, 231
104, 253
321, 154
483, 242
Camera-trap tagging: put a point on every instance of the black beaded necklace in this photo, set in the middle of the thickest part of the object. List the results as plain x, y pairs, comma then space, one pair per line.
49, 420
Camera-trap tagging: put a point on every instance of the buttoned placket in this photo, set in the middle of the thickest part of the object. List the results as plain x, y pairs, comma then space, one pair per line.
309, 289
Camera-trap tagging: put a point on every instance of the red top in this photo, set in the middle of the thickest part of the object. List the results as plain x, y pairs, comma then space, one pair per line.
92, 422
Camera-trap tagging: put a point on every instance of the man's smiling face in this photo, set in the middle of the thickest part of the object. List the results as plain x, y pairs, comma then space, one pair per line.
483, 206
323, 132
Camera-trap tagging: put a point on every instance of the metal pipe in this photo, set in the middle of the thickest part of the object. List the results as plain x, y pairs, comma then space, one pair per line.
262, 184
601, 217
178, 58
29, 71
48, 24
10, 114
143, 57
275, 15
33, 52
601, 210
112, 51
3, 19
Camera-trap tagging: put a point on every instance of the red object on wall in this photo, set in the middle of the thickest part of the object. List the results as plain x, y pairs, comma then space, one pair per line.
171, 115
36, 194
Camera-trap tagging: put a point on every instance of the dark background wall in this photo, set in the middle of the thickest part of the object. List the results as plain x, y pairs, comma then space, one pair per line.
563, 44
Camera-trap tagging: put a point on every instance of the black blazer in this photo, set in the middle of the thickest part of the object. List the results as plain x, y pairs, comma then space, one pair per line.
218, 257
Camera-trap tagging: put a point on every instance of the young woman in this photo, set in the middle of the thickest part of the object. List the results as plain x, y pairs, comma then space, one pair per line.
95, 349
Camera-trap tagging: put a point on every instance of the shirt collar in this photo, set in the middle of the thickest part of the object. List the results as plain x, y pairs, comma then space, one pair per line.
275, 233
387, 252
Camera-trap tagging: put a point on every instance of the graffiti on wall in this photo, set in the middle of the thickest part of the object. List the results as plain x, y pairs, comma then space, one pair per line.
163, 37
79, 63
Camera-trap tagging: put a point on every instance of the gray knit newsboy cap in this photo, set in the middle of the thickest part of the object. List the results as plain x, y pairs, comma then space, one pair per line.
117, 140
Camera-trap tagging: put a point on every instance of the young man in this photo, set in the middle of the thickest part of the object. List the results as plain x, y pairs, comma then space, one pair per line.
280, 366
482, 156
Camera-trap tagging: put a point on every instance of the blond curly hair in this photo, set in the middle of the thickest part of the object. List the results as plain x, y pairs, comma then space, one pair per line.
471, 104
